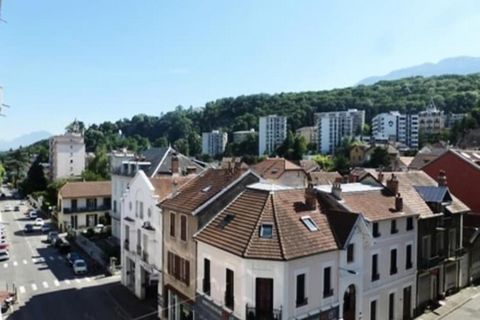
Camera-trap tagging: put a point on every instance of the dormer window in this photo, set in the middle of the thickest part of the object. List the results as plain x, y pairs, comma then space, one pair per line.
309, 223
266, 231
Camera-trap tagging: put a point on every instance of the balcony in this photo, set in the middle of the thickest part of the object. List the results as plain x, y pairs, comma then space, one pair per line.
427, 263
86, 209
254, 313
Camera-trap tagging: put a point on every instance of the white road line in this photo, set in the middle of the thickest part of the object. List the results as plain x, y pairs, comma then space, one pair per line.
5, 265
56, 283
52, 258
34, 287
88, 279
45, 284
67, 281
22, 289
24, 261
15, 263
77, 280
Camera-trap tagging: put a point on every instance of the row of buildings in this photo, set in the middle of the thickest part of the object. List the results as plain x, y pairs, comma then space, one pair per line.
278, 241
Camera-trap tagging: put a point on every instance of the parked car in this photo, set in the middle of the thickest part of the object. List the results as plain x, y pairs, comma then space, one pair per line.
8, 207
33, 214
39, 222
16, 208
72, 257
62, 245
52, 237
28, 228
4, 255
46, 228
80, 266
99, 228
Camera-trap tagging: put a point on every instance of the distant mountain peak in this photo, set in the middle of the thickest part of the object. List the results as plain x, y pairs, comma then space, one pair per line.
461, 65
24, 140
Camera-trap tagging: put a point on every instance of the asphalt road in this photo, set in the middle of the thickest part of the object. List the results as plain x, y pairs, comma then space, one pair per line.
46, 285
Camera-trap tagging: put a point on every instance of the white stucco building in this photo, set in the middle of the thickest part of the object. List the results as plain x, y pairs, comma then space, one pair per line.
395, 126
271, 133
141, 231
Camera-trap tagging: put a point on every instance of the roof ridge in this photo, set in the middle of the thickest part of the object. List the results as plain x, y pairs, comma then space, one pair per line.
256, 227
274, 209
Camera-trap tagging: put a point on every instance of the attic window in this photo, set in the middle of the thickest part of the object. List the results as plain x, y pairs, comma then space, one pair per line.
266, 231
206, 189
309, 223
226, 220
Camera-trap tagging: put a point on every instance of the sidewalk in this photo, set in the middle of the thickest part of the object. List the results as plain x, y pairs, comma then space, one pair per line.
451, 304
130, 307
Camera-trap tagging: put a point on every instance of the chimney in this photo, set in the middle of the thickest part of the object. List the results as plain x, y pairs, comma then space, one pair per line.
310, 197
337, 190
174, 164
191, 170
398, 203
442, 178
380, 176
392, 184
352, 178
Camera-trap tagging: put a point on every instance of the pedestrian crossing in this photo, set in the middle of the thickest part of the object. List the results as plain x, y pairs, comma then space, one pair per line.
45, 285
16, 263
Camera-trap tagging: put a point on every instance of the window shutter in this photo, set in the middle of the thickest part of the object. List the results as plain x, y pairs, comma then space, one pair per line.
187, 272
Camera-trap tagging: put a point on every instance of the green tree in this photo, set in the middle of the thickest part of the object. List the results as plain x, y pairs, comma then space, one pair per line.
160, 142
299, 148
98, 168
181, 145
325, 162
35, 180
341, 164
379, 158
2, 173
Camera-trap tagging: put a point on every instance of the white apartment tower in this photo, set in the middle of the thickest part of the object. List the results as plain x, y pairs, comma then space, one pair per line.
333, 126
398, 127
214, 143
272, 133
67, 154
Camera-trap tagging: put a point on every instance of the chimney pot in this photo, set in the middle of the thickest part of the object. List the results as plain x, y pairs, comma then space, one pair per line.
442, 178
380, 176
392, 184
337, 190
398, 203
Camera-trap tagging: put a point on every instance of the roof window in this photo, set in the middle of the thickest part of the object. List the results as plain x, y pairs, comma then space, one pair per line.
266, 231
309, 223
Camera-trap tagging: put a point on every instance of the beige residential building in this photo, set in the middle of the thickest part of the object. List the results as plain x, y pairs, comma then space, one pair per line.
309, 133
82, 204
67, 155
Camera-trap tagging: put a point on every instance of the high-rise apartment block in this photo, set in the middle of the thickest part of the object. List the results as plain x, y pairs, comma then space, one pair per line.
332, 127
67, 154
214, 143
272, 133
396, 127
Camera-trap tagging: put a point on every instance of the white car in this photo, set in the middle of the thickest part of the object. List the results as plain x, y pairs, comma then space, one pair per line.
4, 251
33, 214
8, 207
39, 222
80, 266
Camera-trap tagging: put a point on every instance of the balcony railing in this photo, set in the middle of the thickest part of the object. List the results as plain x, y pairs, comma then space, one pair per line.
87, 209
254, 313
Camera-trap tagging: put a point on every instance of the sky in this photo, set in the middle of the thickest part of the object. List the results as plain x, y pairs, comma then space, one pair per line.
104, 60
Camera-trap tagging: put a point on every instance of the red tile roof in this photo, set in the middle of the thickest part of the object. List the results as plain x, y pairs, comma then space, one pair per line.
165, 185
201, 189
273, 168
86, 189
283, 210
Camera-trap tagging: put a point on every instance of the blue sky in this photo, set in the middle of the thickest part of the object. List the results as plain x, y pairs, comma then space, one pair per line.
109, 59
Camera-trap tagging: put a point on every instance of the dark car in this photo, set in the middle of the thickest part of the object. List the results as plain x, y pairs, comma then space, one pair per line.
62, 245
28, 228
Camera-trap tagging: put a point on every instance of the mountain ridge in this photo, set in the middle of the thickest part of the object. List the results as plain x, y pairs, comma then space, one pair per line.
24, 140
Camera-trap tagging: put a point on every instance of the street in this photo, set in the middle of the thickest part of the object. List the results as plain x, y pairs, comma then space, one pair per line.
469, 311
46, 285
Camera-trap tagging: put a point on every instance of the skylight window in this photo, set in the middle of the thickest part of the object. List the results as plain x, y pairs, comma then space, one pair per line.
309, 223
206, 189
266, 231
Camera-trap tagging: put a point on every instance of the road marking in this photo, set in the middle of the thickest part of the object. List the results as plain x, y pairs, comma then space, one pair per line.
34, 287
56, 283
22, 289
88, 279
77, 280
67, 281
24, 261
15, 263
52, 258
45, 284
5, 265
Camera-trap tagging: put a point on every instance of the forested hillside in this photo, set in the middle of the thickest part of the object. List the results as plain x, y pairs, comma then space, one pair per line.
183, 126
